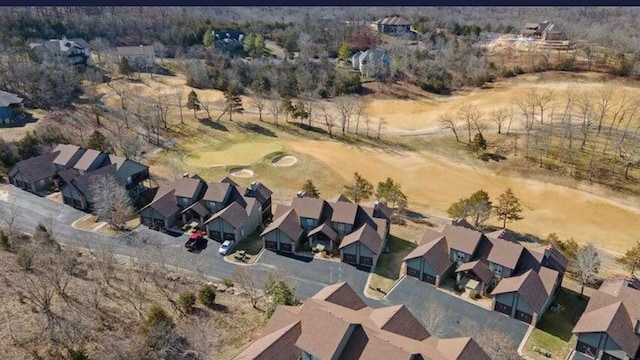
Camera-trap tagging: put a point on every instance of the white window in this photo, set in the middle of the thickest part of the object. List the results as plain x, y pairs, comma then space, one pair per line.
497, 269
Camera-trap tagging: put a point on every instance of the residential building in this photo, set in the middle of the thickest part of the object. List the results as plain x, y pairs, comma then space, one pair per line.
336, 324
139, 57
544, 31
72, 51
393, 25
372, 62
35, 174
225, 210
228, 38
11, 108
522, 282
358, 232
609, 328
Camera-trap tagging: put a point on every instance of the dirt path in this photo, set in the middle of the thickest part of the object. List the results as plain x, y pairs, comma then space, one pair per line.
432, 184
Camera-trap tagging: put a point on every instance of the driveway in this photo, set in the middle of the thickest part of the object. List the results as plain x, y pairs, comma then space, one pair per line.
458, 317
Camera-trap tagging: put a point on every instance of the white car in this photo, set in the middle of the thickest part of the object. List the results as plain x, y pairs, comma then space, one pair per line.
226, 247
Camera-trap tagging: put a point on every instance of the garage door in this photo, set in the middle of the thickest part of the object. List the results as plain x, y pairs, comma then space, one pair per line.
429, 278
349, 258
366, 260
586, 349
271, 245
215, 235
505, 309
523, 316
229, 236
606, 356
413, 272
285, 247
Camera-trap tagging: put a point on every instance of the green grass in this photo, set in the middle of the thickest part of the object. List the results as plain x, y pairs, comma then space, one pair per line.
387, 269
554, 331
252, 244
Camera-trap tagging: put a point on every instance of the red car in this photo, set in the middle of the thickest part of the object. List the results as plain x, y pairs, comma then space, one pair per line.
196, 241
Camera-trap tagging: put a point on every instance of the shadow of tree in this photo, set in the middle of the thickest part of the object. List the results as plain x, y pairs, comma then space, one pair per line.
563, 314
214, 124
257, 129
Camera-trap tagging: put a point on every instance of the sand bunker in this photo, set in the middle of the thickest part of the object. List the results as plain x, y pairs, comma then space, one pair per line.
286, 160
242, 173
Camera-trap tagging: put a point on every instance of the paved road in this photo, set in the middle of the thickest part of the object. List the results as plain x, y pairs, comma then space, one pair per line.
461, 318
308, 276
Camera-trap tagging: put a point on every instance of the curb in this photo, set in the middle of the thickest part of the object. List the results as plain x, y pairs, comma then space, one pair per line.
524, 341
255, 262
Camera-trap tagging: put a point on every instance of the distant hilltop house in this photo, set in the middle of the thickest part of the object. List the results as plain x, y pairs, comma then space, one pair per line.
139, 57
228, 38
393, 25
543, 31
371, 63
73, 51
10, 107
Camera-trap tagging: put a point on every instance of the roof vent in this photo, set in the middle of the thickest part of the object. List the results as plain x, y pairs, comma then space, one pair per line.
185, 175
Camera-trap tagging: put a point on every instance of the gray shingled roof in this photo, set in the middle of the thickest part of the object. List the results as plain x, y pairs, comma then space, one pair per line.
87, 159
287, 223
7, 98
37, 168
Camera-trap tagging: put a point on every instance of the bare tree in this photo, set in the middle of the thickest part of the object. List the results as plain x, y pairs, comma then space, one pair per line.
328, 119
500, 117
346, 107
259, 102
587, 265
448, 122
121, 90
274, 108
585, 106
495, 343
249, 282
178, 96
111, 201
543, 99
471, 117
434, 317
604, 102
382, 122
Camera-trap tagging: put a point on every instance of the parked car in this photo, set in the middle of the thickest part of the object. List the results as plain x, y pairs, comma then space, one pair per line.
196, 241
226, 247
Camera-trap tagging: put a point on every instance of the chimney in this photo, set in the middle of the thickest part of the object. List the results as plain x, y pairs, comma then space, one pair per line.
300, 194
254, 185
185, 175
376, 204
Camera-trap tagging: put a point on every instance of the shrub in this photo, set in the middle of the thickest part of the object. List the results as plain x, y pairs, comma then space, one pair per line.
186, 301
25, 260
79, 354
4, 241
458, 288
474, 295
227, 282
207, 296
156, 317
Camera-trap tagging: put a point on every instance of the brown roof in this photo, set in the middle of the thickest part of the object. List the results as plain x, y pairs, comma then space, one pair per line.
186, 187
341, 294
259, 191
326, 229
463, 222
216, 192
227, 180
430, 235
462, 239
164, 202
199, 208
613, 309
548, 278
87, 159
503, 234
36, 168
505, 253
67, 155
435, 253
279, 344
479, 268
233, 214
365, 235
344, 212
308, 207
281, 210
550, 256
287, 223
340, 198
528, 285
399, 320
361, 332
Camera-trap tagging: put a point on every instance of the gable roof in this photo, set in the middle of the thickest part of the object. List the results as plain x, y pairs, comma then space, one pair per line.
340, 294
85, 182
279, 344
233, 214
462, 239
325, 229
308, 207
393, 21
479, 268
87, 159
461, 349
503, 234
164, 202
367, 236
227, 180
259, 191
281, 210
7, 98
344, 212
141, 50
614, 309
36, 168
340, 198
186, 187
399, 320
287, 223
198, 208
435, 252
126, 167
505, 253
216, 191
528, 286
550, 256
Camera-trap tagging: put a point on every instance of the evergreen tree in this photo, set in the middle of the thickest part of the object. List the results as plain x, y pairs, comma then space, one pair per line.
124, 67
345, 51
360, 189
477, 207
99, 142
508, 208
310, 188
478, 143
631, 259
207, 39
233, 101
193, 102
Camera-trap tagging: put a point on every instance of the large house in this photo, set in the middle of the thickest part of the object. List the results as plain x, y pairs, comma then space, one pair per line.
358, 232
609, 328
393, 25
372, 62
336, 324
226, 210
139, 57
543, 31
10, 107
228, 38
72, 51
523, 281
72, 169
